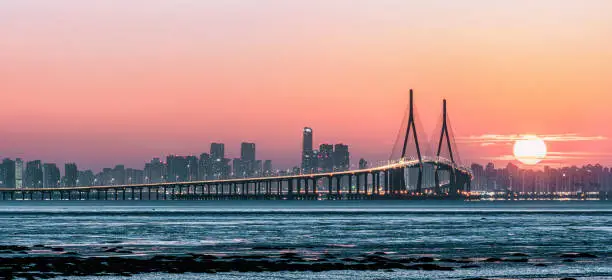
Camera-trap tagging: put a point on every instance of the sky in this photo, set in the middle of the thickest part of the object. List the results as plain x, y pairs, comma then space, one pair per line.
119, 82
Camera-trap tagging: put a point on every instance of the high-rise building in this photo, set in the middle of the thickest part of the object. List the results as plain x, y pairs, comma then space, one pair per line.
258, 168
134, 176
86, 178
307, 139
2, 175
479, 179
118, 177
247, 158
105, 177
51, 175
177, 168
224, 169
491, 175
7, 173
238, 168
192, 168
34, 174
341, 157
217, 150
326, 157
71, 174
205, 167
307, 151
18, 173
220, 165
155, 171
267, 167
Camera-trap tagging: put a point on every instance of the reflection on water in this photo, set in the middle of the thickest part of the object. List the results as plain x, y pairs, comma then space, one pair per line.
541, 230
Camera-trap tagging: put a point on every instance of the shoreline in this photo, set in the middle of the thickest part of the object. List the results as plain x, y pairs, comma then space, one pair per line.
42, 262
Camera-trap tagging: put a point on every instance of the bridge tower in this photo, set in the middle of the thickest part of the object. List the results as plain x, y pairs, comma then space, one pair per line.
411, 125
444, 135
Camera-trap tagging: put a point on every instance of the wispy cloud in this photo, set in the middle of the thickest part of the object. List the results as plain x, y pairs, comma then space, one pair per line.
494, 139
556, 156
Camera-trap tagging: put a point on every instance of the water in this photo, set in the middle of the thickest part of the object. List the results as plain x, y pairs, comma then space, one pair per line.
477, 230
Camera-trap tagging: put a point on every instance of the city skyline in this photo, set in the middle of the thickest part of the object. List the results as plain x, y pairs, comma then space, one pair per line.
327, 139
144, 85
212, 165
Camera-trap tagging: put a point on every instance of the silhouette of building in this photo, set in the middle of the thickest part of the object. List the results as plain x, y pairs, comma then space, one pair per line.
71, 174
220, 165
118, 175
34, 174
7, 173
341, 157
177, 168
86, 178
491, 176
51, 175
238, 168
247, 158
267, 167
308, 157
258, 168
205, 167
217, 150
192, 168
479, 181
134, 176
155, 171
326, 157
18, 173
588, 178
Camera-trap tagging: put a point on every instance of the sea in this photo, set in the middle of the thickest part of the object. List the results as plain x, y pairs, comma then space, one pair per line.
541, 231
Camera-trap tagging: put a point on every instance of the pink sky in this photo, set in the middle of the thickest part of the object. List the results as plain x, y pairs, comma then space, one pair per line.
109, 82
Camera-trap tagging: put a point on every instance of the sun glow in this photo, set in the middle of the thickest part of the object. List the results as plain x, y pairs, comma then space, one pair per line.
530, 150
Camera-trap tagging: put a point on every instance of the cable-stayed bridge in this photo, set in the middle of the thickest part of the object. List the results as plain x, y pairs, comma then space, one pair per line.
412, 172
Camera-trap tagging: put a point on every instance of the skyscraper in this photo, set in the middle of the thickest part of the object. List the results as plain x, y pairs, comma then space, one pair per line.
217, 150
86, 178
2, 175
133, 176
51, 175
341, 157
155, 171
205, 167
220, 167
177, 168
119, 175
71, 174
326, 157
8, 173
18, 173
34, 174
479, 179
307, 152
192, 168
247, 158
238, 168
267, 167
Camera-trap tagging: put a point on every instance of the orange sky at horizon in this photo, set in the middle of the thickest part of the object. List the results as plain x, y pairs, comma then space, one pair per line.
114, 82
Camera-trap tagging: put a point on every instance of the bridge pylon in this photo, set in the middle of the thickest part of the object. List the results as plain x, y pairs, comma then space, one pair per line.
412, 125
444, 135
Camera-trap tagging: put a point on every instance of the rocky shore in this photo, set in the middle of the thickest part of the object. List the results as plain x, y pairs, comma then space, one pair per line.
41, 262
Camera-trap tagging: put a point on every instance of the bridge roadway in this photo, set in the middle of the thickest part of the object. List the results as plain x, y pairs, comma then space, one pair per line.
386, 182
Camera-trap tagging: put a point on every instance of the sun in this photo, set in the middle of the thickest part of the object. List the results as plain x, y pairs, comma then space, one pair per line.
530, 150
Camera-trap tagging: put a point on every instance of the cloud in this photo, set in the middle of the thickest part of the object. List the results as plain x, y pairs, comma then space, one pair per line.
493, 139
484, 144
556, 156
